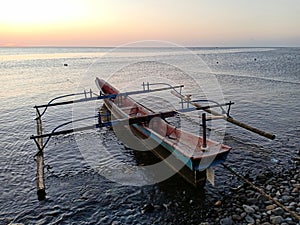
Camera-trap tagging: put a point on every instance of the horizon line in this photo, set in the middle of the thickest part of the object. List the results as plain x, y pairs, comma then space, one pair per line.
122, 46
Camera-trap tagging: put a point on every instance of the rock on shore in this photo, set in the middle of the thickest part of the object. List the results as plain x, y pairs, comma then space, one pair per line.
247, 206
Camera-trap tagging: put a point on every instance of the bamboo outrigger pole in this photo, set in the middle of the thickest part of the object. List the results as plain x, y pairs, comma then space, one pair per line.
40, 160
227, 118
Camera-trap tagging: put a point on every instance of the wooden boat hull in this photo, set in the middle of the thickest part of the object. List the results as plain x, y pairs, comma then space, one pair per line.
186, 147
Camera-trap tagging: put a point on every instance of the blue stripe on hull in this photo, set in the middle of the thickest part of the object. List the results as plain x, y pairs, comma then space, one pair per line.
196, 165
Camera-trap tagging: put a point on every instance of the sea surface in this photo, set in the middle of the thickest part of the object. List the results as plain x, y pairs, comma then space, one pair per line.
264, 84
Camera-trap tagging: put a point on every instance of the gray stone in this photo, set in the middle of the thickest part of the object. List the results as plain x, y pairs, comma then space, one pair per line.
278, 211
293, 204
295, 194
255, 207
238, 210
261, 176
252, 200
276, 219
243, 214
290, 207
236, 217
249, 219
288, 219
257, 216
269, 187
286, 198
248, 209
292, 223
226, 221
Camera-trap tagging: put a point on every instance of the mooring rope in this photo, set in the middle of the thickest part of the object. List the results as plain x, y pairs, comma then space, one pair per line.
292, 213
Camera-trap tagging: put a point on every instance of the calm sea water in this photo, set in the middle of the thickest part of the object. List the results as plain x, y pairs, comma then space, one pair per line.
264, 83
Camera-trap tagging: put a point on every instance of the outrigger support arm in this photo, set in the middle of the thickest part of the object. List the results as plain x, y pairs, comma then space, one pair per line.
126, 121
112, 96
77, 101
228, 118
64, 132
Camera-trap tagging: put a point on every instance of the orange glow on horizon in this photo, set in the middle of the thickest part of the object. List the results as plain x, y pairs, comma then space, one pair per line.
9, 45
112, 22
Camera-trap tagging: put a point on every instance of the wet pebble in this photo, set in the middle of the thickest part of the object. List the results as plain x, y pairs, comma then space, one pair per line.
261, 176
248, 209
278, 211
236, 217
256, 216
226, 221
249, 219
218, 203
276, 219
269, 187
252, 200
270, 207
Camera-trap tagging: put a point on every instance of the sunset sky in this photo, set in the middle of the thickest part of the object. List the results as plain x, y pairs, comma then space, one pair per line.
116, 22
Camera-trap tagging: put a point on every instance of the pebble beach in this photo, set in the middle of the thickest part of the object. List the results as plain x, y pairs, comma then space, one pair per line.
247, 206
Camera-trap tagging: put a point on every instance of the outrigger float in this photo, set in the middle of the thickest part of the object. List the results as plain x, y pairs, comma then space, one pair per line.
196, 153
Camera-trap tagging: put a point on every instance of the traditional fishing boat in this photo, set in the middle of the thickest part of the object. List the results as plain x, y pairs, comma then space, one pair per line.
190, 155
193, 151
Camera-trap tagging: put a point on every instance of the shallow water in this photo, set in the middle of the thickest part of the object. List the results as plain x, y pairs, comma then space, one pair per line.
264, 84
